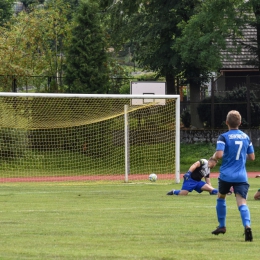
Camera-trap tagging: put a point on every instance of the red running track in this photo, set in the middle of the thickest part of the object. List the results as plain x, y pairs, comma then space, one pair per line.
104, 178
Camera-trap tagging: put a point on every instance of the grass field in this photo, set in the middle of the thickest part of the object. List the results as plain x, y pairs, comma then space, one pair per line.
120, 221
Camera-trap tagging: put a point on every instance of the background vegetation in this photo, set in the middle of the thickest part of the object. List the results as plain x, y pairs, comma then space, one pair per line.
170, 38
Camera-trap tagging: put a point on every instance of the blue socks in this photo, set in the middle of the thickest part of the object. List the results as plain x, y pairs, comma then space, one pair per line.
245, 215
221, 212
214, 192
176, 192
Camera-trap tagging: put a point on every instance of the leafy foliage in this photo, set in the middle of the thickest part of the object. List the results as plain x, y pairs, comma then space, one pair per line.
87, 61
204, 35
152, 28
6, 11
31, 43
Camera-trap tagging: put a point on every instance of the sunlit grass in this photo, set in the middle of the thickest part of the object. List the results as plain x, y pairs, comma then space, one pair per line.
79, 220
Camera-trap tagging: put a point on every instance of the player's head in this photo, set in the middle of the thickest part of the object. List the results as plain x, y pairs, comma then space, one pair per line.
212, 162
233, 119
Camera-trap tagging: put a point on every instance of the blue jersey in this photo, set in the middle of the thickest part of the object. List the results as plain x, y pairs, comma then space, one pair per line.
236, 145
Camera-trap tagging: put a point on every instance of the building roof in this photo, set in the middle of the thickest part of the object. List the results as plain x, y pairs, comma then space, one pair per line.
233, 60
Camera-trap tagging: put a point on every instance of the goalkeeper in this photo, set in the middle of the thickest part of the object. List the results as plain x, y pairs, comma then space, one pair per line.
192, 180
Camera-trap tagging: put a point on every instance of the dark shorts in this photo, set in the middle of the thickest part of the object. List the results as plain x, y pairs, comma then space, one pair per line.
191, 185
240, 188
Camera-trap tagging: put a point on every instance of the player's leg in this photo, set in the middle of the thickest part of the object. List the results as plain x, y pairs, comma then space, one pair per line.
241, 191
178, 192
187, 186
209, 188
221, 208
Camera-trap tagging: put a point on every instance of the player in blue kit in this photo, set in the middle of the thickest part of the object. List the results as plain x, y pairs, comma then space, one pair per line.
235, 148
192, 180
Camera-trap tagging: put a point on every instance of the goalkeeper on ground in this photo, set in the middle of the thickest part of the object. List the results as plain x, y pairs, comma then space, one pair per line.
192, 180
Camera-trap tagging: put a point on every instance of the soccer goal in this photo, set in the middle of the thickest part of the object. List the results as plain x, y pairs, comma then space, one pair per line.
59, 137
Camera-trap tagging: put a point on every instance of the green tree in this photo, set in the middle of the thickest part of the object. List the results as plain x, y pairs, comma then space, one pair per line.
32, 43
256, 24
204, 35
87, 59
71, 4
6, 11
152, 27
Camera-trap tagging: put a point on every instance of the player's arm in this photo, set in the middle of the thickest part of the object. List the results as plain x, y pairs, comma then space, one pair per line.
218, 155
221, 142
194, 166
250, 157
207, 180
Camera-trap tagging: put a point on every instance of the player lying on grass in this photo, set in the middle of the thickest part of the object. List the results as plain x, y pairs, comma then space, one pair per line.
192, 180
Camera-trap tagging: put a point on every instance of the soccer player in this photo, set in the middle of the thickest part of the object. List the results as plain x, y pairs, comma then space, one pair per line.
234, 147
193, 178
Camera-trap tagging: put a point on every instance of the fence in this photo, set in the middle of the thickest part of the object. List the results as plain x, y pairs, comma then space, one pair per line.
48, 84
216, 94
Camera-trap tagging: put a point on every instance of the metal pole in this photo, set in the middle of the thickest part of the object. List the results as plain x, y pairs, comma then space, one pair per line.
212, 103
127, 168
177, 141
248, 101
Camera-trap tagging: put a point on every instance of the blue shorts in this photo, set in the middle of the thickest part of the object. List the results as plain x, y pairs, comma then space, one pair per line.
240, 188
190, 185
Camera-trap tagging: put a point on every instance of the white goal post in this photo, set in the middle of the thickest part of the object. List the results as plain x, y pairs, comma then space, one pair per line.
84, 136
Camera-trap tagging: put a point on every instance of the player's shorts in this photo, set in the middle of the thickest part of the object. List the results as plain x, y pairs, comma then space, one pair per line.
240, 188
190, 185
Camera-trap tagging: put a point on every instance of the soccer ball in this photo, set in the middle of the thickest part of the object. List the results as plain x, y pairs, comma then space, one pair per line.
152, 177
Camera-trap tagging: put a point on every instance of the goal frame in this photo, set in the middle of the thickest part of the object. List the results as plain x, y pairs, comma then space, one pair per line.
122, 96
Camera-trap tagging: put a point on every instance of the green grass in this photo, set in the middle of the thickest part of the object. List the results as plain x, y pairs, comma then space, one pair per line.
119, 221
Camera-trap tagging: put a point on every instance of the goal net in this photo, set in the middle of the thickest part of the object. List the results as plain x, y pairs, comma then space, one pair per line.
59, 137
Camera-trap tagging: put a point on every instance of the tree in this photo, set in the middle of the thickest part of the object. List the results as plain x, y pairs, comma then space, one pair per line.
204, 35
87, 59
256, 24
6, 11
31, 43
203, 43
152, 27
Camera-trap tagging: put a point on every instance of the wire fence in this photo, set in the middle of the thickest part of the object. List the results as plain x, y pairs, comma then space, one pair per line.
216, 96
213, 95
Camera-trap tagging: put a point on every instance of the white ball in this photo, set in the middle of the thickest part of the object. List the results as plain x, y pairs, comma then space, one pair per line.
153, 177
